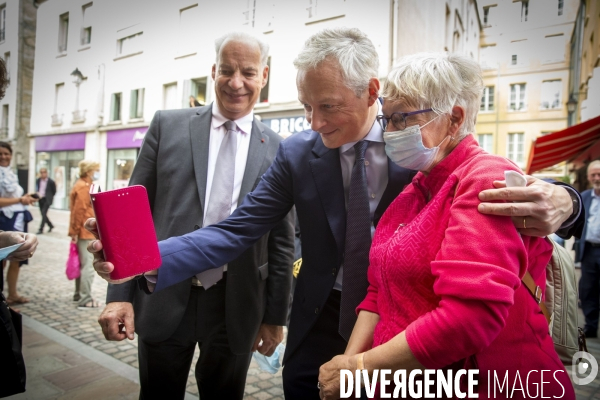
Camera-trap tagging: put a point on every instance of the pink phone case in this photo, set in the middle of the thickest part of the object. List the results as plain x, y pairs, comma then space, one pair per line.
127, 231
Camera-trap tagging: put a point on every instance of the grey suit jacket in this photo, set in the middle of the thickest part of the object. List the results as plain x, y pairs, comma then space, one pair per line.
172, 165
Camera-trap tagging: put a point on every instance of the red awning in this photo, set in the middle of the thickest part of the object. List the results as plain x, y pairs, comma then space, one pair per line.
564, 145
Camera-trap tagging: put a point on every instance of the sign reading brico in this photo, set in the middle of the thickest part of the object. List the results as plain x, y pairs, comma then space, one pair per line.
288, 124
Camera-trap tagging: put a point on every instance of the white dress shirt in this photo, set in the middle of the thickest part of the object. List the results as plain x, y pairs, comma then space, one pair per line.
376, 165
217, 133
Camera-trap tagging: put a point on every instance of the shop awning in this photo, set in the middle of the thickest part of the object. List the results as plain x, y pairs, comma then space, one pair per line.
565, 145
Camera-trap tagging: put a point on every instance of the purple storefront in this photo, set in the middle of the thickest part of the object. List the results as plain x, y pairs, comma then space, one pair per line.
60, 154
122, 149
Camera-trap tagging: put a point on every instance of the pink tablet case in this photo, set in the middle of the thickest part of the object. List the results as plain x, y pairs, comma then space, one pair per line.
126, 230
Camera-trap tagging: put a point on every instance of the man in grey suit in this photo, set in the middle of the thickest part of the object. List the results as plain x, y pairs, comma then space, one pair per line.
46, 189
183, 166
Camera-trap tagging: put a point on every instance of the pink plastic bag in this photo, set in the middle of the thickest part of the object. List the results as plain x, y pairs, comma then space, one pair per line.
73, 269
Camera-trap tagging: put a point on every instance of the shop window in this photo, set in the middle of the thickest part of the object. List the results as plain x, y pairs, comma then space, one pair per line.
120, 167
63, 32
485, 141
517, 97
115, 107
487, 100
86, 28
515, 151
551, 94
63, 168
136, 106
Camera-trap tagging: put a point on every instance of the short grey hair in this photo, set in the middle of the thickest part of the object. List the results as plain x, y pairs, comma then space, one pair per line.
351, 48
595, 163
438, 81
246, 38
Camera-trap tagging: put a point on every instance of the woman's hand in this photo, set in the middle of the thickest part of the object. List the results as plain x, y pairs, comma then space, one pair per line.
26, 250
329, 375
74, 238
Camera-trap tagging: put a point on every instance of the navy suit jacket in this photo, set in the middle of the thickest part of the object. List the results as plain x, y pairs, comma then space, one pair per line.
308, 175
586, 197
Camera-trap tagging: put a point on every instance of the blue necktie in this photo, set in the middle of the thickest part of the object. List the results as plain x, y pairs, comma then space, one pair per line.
358, 243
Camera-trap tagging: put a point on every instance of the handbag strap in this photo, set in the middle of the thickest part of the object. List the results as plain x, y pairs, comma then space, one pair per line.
536, 292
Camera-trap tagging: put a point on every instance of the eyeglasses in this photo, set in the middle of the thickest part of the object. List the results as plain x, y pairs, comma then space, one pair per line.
398, 119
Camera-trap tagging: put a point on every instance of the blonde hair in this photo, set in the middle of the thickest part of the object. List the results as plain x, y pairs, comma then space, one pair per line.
438, 81
85, 166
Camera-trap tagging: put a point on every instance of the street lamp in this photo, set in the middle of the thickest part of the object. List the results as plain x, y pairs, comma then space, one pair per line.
571, 104
77, 79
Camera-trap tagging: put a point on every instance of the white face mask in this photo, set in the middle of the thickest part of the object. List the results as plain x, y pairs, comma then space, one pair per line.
407, 150
96, 176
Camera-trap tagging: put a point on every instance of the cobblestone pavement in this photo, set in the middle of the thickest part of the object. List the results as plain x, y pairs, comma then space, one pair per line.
44, 282
67, 356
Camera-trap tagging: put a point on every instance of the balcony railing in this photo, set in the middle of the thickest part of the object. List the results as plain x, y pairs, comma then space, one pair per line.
79, 116
57, 119
4, 133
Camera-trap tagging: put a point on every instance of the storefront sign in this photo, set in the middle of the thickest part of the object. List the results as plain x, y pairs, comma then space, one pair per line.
291, 125
71, 141
125, 138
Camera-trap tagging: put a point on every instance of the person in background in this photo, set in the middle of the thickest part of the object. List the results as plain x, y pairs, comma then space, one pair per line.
194, 102
445, 280
81, 210
589, 253
46, 189
14, 216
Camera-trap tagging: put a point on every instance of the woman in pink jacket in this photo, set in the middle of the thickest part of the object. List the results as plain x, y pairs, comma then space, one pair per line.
445, 280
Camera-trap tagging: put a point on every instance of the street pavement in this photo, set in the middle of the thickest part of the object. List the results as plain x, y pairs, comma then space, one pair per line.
67, 356
65, 352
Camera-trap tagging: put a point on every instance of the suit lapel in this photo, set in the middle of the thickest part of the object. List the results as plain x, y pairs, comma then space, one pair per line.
398, 178
199, 139
327, 174
257, 151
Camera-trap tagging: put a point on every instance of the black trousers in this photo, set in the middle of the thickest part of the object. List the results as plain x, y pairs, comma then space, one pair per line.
322, 343
589, 286
220, 374
44, 206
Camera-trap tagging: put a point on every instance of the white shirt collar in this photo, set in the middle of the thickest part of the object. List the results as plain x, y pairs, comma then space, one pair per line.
374, 135
244, 124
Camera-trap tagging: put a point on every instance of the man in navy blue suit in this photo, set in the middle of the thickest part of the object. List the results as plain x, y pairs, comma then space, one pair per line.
589, 253
313, 170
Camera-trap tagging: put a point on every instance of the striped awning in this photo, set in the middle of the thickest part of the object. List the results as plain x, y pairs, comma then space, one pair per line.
565, 145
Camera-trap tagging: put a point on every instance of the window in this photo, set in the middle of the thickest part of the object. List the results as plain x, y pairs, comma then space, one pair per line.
130, 45
488, 13
560, 7
7, 65
518, 51
517, 97
250, 13
485, 141
524, 10
515, 150
319, 10
264, 93
136, 106
4, 122
115, 107
513, 60
86, 29
63, 32
2, 22
551, 94
59, 103
487, 101
170, 96
188, 29
198, 90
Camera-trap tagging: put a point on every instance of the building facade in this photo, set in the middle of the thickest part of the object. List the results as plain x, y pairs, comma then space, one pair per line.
525, 57
109, 65
17, 49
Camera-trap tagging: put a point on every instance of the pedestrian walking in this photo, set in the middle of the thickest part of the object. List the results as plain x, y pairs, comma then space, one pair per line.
81, 210
46, 189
